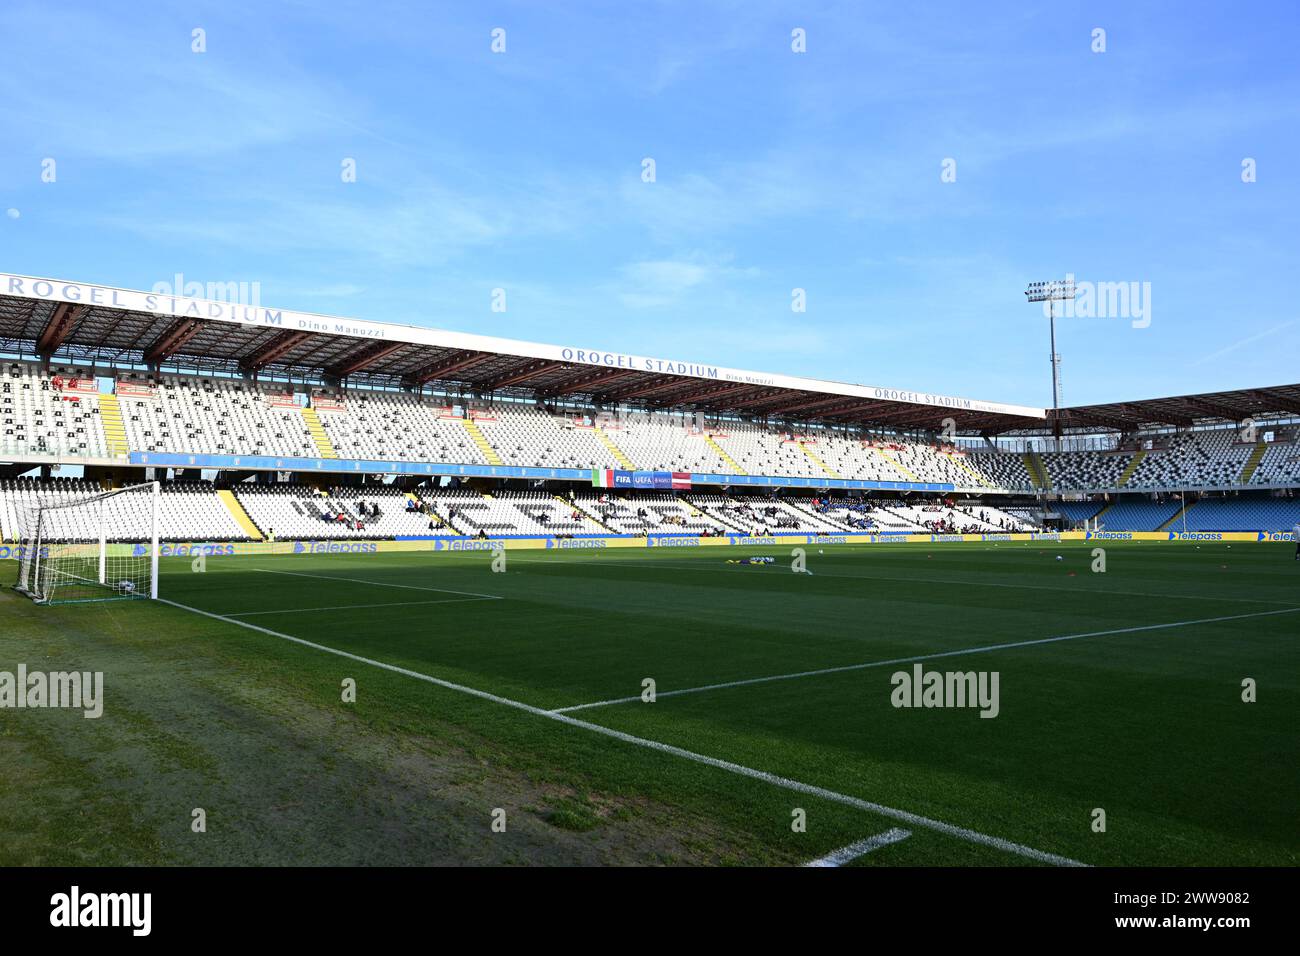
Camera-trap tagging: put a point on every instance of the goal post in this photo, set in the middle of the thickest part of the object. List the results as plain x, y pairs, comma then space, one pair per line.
91, 547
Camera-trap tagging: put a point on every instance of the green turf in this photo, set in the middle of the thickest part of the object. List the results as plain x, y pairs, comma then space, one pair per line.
1148, 725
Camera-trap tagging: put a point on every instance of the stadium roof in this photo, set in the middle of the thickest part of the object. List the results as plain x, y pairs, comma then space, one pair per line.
1186, 410
97, 324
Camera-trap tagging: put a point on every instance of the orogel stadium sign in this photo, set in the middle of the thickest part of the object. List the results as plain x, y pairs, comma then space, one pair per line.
233, 309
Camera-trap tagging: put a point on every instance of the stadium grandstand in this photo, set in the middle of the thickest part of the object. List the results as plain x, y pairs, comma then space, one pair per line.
266, 424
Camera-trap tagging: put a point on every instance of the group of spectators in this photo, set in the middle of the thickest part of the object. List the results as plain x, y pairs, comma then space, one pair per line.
336, 515
951, 525
1000, 523
859, 509
422, 507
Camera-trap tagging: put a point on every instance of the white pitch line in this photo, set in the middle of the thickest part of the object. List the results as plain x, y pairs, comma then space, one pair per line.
914, 819
911, 660
350, 607
851, 852
379, 584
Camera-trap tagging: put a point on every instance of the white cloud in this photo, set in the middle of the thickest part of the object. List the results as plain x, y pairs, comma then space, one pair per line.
656, 283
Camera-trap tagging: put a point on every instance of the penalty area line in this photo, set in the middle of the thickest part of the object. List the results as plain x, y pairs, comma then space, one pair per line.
353, 607
379, 584
959, 652
786, 783
848, 854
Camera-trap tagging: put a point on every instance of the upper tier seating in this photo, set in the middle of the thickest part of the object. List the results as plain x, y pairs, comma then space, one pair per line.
36, 418
1085, 470
214, 416
1002, 469
1280, 465
394, 426
1193, 460
187, 414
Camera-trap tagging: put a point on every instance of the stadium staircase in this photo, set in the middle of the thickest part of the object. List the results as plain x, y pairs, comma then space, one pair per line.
1132, 467
898, 465
240, 515
614, 450
815, 515
446, 522
1037, 471
1252, 463
722, 453
1177, 515
817, 461
419, 504
956, 460
585, 513
479, 439
322, 441
110, 417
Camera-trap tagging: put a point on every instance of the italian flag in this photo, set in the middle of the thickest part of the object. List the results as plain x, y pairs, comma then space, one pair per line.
602, 477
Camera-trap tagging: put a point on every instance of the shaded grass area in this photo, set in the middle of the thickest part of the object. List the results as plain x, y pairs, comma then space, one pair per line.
1148, 725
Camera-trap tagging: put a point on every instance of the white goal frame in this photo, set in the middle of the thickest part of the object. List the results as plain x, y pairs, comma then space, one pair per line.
88, 567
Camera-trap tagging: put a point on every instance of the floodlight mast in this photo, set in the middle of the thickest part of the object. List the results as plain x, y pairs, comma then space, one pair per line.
1051, 293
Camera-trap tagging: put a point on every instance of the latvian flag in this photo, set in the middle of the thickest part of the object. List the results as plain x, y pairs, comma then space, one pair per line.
602, 477
682, 479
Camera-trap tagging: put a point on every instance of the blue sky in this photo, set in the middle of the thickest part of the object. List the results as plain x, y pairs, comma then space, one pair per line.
774, 171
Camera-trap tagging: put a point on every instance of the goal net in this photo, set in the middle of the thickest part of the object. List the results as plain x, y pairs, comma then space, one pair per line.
96, 547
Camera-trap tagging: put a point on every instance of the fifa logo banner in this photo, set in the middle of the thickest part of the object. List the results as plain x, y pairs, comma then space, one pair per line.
662, 480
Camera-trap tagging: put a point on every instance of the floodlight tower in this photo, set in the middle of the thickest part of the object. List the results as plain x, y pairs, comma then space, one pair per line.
1051, 293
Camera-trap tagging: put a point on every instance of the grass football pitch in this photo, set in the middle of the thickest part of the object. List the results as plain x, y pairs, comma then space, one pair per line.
485, 697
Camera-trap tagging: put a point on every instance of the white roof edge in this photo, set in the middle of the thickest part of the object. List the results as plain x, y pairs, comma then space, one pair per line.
166, 304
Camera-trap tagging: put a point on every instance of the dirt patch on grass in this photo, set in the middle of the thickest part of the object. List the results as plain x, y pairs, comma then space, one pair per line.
282, 778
